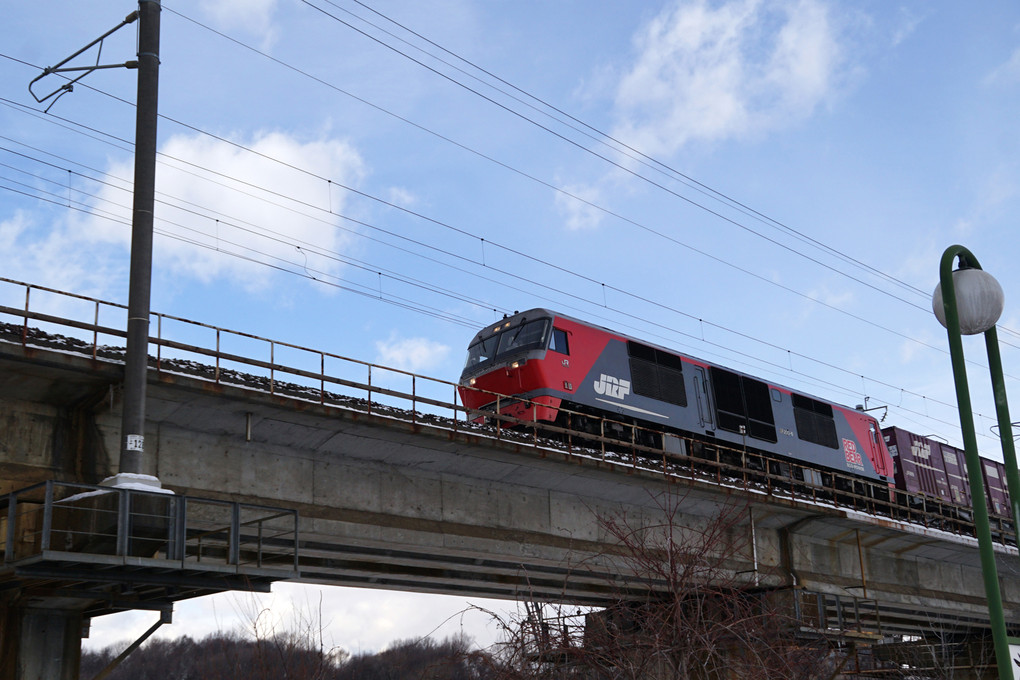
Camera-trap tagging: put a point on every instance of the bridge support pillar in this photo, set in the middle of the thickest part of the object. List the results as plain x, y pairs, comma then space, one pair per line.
39, 643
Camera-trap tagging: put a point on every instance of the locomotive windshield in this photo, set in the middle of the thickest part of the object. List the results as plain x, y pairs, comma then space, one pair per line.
528, 336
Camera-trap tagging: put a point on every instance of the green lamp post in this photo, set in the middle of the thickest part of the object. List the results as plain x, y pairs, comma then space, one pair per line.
969, 301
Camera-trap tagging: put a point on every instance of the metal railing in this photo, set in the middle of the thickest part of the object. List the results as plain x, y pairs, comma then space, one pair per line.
68, 522
240, 359
839, 614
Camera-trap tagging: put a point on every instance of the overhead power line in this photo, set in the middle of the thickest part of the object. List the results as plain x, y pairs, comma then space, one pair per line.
521, 254
754, 358
573, 196
615, 164
601, 137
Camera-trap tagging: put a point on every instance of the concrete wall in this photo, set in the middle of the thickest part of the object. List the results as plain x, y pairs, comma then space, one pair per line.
390, 504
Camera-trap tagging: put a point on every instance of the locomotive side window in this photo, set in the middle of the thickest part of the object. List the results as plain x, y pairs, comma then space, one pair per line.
743, 405
814, 421
656, 374
729, 401
559, 341
762, 424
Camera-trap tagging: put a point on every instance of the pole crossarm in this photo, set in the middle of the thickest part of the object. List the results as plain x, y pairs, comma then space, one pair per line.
60, 68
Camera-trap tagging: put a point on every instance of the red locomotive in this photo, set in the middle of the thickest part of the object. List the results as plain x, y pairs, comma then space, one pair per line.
555, 368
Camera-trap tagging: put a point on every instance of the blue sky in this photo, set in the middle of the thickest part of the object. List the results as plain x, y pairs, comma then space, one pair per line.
764, 184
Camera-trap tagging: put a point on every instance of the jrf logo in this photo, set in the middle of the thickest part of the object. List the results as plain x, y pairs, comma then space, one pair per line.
612, 387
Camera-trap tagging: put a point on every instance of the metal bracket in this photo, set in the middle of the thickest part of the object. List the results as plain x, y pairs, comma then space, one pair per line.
59, 68
165, 616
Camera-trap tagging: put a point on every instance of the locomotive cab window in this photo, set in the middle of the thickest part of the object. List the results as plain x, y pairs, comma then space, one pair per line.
558, 343
482, 351
656, 374
814, 421
530, 335
743, 405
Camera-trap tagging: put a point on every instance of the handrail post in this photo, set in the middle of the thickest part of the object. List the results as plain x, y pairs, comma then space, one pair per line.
234, 548
296, 543
24, 325
180, 536
272, 367
12, 517
47, 526
602, 436
258, 551
95, 332
159, 342
123, 521
456, 417
633, 444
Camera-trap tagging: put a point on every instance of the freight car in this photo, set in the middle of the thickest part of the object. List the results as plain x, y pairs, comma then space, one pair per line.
577, 375
929, 469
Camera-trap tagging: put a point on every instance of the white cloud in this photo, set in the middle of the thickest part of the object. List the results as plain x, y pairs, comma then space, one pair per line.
12, 229
416, 355
216, 204
1006, 74
252, 16
209, 214
580, 214
355, 619
39, 255
963, 226
402, 197
837, 299
717, 71
996, 191
908, 23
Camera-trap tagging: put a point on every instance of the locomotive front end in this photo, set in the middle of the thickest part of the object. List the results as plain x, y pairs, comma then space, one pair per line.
506, 368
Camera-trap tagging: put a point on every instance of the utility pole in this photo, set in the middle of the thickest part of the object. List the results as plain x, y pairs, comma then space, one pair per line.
140, 283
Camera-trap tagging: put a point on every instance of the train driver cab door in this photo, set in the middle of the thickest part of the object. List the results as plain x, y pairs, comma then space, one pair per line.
879, 455
703, 396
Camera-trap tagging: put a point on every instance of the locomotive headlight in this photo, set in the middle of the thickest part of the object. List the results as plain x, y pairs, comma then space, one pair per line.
472, 382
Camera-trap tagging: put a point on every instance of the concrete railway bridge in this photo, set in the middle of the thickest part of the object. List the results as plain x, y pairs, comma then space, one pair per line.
287, 463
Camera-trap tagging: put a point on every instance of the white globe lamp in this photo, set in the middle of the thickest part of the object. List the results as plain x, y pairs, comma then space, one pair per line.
979, 301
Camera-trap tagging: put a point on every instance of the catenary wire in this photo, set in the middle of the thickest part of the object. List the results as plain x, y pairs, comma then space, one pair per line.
759, 360
490, 242
617, 165
600, 137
